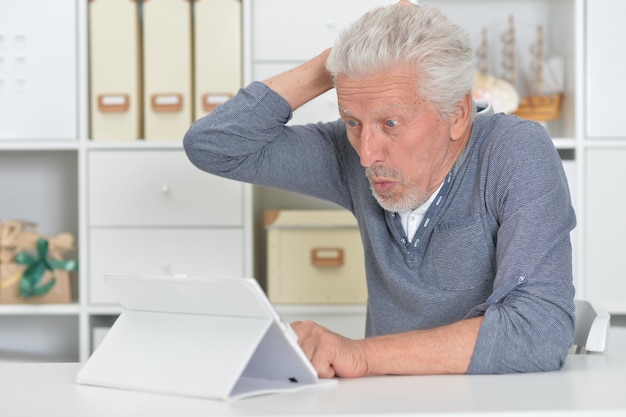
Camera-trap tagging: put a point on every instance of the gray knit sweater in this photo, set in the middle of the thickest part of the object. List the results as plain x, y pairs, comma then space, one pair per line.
496, 243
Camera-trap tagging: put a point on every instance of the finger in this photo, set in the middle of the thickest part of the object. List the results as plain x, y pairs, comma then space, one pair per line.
322, 364
295, 325
305, 338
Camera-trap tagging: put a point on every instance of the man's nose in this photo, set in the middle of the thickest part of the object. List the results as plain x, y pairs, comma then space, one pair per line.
370, 150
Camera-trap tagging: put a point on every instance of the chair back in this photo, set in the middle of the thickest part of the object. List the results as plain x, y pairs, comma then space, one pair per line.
592, 328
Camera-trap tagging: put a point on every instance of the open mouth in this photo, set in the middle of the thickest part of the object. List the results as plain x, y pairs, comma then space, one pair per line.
382, 186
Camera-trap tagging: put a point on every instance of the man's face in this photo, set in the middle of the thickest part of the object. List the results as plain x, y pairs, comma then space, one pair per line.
400, 138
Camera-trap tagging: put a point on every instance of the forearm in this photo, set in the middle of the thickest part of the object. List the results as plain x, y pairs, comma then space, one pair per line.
222, 142
303, 83
442, 350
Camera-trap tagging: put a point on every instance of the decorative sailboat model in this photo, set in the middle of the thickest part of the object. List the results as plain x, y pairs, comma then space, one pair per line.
540, 106
498, 91
543, 93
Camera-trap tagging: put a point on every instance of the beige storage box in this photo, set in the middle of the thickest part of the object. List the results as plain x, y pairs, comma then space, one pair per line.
314, 256
167, 56
217, 53
114, 66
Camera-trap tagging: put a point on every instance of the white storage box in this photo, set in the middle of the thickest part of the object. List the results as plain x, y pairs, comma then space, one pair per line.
314, 256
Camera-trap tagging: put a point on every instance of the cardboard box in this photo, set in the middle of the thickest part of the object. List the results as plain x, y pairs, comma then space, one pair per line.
10, 275
314, 256
20, 246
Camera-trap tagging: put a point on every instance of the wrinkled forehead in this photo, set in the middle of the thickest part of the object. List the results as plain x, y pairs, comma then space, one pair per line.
391, 89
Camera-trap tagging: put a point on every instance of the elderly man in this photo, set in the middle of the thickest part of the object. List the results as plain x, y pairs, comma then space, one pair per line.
465, 215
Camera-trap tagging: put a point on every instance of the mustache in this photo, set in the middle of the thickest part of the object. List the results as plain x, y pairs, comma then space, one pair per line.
381, 171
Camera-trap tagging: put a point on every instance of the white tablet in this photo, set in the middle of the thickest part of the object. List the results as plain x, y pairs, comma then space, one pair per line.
212, 337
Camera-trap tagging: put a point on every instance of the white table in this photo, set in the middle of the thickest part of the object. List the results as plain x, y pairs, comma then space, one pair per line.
589, 385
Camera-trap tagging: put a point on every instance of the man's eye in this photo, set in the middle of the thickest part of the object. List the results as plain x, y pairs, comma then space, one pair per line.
391, 123
352, 123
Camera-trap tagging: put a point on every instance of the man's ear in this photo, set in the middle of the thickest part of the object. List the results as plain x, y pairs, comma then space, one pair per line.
461, 118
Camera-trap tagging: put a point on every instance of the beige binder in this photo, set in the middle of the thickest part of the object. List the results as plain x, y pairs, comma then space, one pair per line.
114, 62
218, 50
167, 68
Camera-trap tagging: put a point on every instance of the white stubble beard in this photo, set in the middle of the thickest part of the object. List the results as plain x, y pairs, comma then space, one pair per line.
410, 200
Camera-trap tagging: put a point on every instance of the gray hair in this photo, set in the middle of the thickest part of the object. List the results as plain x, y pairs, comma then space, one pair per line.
419, 36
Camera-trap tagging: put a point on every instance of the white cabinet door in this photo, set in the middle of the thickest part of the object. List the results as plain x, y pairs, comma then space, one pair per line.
605, 225
300, 29
606, 66
38, 69
158, 188
162, 251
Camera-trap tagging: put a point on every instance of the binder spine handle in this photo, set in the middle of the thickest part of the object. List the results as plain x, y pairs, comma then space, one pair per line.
113, 103
170, 102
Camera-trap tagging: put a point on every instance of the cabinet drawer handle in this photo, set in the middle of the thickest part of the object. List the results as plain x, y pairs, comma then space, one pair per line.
327, 257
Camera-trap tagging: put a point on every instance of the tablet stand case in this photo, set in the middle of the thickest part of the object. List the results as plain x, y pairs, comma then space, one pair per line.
212, 338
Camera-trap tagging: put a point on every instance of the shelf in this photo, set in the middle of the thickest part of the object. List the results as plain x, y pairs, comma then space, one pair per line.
38, 145
564, 143
21, 357
105, 310
135, 144
605, 143
39, 309
286, 309
345, 319
324, 309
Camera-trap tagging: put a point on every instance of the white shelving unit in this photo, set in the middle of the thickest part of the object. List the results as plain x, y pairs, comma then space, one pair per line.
39, 159
58, 181
46, 177
602, 155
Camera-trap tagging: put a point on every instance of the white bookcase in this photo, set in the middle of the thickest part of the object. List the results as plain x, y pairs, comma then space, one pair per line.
134, 205
602, 155
40, 127
52, 172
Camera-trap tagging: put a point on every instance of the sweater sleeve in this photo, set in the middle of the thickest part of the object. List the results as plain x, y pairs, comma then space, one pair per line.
528, 322
247, 139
